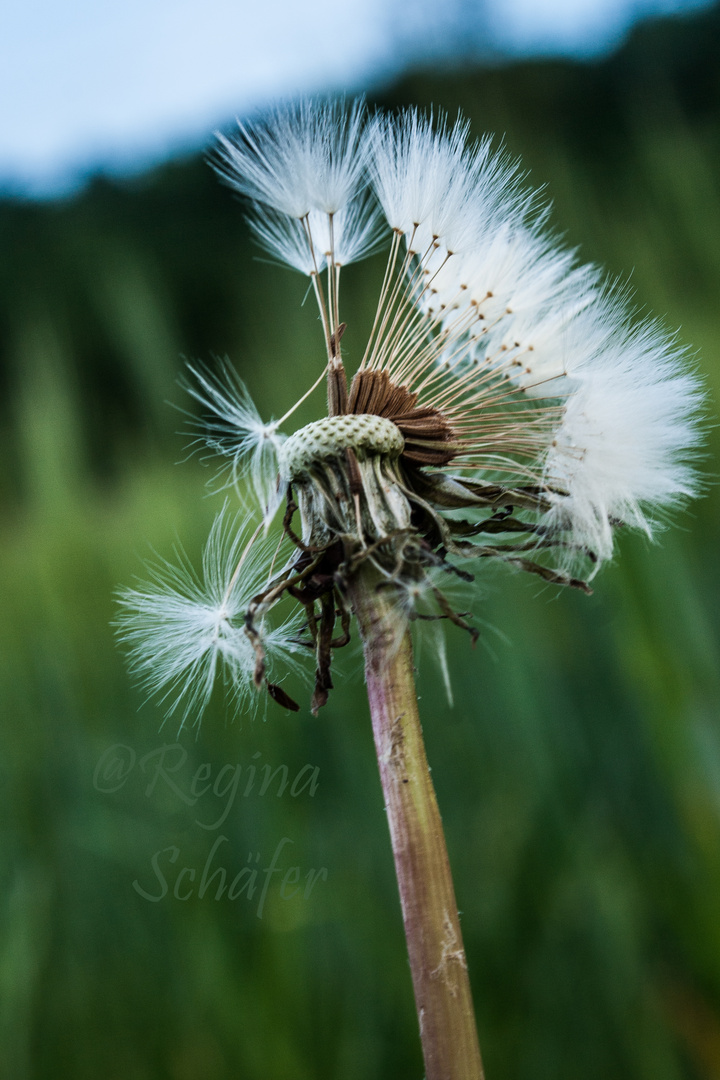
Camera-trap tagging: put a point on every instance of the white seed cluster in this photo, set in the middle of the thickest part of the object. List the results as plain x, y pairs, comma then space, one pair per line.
328, 438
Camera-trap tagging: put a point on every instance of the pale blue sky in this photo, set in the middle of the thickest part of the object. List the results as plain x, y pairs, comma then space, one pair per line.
123, 83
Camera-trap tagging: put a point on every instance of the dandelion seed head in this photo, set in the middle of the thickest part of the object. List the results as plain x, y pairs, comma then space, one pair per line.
508, 407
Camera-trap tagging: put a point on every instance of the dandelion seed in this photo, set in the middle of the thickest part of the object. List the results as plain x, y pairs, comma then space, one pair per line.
301, 157
182, 629
234, 429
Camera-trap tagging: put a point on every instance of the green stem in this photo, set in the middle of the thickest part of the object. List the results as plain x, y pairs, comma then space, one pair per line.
432, 928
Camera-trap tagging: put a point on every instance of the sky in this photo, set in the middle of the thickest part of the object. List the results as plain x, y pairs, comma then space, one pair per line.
122, 84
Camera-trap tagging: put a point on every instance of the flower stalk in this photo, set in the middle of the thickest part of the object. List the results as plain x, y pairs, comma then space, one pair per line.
432, 929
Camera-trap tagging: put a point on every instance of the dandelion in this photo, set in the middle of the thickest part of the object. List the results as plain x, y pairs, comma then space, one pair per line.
507, 407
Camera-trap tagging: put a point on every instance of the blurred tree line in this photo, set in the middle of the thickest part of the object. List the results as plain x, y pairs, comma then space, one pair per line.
579, 770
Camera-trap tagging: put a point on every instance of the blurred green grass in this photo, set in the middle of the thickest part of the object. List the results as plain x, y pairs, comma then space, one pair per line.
579, 771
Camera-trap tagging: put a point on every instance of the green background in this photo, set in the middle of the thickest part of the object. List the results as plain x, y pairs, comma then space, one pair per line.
579, 771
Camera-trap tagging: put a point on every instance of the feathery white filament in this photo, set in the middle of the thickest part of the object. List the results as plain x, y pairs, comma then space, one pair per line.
182, 629
351, 234
234, 429
629, 426
301, 157
435, 187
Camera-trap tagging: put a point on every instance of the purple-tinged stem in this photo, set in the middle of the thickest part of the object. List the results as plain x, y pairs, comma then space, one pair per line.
432, 928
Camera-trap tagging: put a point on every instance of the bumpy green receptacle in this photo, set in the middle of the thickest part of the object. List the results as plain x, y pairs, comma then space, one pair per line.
331, 436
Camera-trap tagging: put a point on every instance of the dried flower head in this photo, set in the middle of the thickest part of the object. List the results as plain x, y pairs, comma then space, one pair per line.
506, 407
